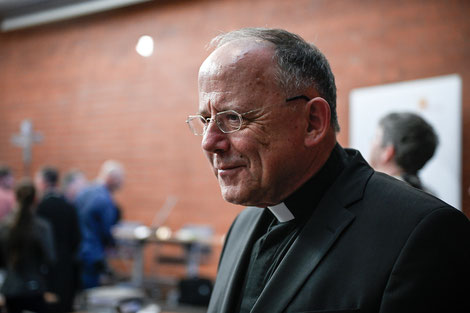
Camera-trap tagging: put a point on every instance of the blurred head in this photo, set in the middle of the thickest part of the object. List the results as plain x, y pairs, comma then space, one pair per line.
111, 175
46, 178
73, 181
7, 180
404, 140
283, 90
25, 193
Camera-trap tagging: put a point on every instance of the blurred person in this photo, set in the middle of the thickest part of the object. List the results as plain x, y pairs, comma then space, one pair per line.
63, 278
72, 183
97, 213
27, 252
7, 195
322, 231
403, 144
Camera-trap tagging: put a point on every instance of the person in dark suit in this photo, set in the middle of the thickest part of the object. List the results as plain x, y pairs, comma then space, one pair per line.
63, 278
323, 232
404, 142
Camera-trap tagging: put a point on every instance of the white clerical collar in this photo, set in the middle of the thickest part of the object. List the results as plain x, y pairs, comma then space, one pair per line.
281, 212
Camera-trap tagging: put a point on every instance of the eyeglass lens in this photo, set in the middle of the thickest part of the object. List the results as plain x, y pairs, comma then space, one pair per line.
197, 124
227, 121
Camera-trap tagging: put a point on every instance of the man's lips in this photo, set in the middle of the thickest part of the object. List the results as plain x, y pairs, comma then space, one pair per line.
228, 169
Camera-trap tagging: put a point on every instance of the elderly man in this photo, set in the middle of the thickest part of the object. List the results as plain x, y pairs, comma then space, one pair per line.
97, 214
404, 143
322, 231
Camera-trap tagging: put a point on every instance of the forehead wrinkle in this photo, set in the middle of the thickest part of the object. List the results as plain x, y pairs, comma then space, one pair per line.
213, 100
241, 79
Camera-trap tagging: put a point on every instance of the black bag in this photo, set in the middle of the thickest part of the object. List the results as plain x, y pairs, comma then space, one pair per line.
17, 284
195, 291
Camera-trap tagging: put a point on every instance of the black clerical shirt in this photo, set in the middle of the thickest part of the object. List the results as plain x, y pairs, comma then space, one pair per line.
281, 227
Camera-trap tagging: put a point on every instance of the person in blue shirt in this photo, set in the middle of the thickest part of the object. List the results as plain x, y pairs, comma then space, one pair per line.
97, 214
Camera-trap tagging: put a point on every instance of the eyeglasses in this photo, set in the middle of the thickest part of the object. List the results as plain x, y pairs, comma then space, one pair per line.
228, 121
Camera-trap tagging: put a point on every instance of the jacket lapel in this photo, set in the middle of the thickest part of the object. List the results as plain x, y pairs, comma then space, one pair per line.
326, 225
236, 255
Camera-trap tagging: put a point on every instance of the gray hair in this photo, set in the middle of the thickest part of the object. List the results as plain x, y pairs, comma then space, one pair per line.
111, 168
300, 64
413, 139
71, 177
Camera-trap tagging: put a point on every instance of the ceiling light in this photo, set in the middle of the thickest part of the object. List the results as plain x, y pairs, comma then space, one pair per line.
144, 46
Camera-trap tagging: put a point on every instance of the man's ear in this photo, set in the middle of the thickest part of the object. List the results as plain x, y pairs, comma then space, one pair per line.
388, 153
318, 121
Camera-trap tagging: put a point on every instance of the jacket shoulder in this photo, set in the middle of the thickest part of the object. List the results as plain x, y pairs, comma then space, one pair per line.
389, 190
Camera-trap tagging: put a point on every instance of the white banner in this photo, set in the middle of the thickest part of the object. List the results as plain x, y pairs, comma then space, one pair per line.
439, 101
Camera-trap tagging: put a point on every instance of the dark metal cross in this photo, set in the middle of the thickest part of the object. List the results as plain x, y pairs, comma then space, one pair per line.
25, 140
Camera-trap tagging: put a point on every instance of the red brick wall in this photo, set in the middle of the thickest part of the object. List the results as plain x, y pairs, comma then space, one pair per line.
94, 98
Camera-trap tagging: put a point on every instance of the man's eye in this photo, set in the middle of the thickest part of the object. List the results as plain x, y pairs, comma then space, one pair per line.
232, 117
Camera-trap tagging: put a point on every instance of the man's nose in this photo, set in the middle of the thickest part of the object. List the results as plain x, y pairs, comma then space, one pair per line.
214, 140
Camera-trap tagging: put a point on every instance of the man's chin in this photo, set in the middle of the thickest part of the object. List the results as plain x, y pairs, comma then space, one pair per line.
239, 198
232, 195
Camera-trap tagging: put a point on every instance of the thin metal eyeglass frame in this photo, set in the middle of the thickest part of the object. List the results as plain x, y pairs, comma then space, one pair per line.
208, 120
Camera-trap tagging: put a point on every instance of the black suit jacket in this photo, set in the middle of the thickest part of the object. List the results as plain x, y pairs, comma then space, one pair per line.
373, 244
63, 278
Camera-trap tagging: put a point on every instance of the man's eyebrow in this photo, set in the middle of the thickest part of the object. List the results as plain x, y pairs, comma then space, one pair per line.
203, 112
219, 102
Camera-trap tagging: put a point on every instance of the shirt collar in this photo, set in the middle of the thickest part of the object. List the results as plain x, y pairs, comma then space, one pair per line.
281, 212
302, 202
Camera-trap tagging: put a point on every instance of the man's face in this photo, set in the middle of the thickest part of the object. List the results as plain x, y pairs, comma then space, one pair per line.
115, 181
39, 183
376, 149
258, 164
8, 182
